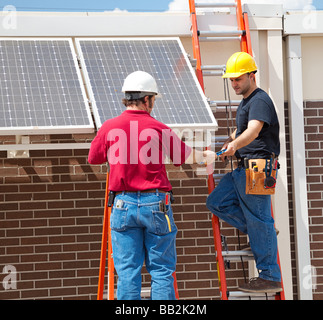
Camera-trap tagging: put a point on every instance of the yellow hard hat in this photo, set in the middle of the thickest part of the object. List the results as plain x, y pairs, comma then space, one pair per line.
238, 64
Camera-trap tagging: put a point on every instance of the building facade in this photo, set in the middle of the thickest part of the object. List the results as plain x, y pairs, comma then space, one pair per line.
52, 200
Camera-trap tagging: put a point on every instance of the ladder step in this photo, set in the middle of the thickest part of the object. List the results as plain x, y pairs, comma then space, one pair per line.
245, 255
222, 109
223, 103
219, 138
212, 73
212, 39
218, 176
221, 33
241, 295
226, 102
215, 5
145, 293
217, 142
213, 67
213, 70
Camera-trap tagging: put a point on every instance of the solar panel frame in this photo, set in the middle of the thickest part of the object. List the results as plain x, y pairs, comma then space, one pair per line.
93, 82
86, 127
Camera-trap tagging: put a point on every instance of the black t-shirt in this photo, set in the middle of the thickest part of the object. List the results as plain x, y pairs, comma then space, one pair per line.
258, 106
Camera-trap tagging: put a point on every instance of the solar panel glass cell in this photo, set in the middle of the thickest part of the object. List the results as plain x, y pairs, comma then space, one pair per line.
41, 88
107, 62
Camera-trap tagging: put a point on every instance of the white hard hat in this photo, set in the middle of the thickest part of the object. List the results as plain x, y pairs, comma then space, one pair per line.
142, 83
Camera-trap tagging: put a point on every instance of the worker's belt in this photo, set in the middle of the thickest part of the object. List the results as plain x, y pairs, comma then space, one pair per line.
112, 194
143, 191
261, 175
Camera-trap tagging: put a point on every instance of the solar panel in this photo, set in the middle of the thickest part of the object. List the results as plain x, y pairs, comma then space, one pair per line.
107, 62
41, 89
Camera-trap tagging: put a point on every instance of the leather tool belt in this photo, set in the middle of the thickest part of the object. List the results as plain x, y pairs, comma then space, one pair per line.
261, 175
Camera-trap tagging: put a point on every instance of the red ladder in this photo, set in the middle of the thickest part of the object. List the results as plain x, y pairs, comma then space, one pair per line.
243, 33
106, 242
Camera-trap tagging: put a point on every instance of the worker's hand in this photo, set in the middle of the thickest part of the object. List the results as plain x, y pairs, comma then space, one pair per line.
231, 150
209, 157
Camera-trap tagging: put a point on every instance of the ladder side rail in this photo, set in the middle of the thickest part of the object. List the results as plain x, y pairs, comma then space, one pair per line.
110, 261
196, 44
103, 244
281, 294
219, 258
248, 37
175, 286
241, 26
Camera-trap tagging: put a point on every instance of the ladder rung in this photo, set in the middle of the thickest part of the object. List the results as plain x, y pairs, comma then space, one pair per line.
212, 39
219, 138
248, 295
215, 5
245, 255
237, 253
220, 33
212, 73
216, 109
218, 141
145, 292
218, 176
223, 103
213, 67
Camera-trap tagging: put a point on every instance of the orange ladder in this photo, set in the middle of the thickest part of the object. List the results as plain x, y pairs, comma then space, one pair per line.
243, 35
106, 242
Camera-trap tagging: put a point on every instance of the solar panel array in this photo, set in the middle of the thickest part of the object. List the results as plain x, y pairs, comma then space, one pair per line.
107, 62
41, 90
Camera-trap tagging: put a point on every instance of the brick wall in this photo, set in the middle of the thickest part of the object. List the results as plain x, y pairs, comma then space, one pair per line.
313, 127
51, 223
313, 121
52, 209
51, 217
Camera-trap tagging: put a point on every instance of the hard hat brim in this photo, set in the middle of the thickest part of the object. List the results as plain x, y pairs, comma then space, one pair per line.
236, 74
233, 75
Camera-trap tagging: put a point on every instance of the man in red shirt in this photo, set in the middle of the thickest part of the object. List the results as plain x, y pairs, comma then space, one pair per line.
142, 225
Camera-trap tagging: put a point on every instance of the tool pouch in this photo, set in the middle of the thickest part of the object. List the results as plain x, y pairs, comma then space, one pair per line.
261, 175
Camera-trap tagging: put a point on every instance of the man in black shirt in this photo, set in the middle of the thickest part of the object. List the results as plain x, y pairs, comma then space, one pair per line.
256, 137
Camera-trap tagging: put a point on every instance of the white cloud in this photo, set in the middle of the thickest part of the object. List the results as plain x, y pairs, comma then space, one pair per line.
116, 10
178, 5
182, 5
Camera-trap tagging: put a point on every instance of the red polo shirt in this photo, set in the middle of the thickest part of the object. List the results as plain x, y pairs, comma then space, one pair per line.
136, 145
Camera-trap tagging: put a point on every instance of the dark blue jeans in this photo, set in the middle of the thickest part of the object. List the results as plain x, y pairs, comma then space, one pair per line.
251, 214
141, 232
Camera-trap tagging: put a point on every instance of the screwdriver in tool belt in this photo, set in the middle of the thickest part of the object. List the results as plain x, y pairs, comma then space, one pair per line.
167, 218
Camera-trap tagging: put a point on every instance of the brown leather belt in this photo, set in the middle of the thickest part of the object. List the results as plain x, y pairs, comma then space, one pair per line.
143, 191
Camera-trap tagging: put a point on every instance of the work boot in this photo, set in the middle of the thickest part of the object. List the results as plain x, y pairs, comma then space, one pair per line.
258, 285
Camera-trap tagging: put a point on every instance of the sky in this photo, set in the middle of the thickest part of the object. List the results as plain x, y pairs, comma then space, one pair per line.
138, 5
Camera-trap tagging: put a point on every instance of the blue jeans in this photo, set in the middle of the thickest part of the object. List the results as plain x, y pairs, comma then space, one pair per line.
141, 232
250, 214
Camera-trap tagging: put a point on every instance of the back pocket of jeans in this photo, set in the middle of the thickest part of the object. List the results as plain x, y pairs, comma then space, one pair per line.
119, 219
162, 225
